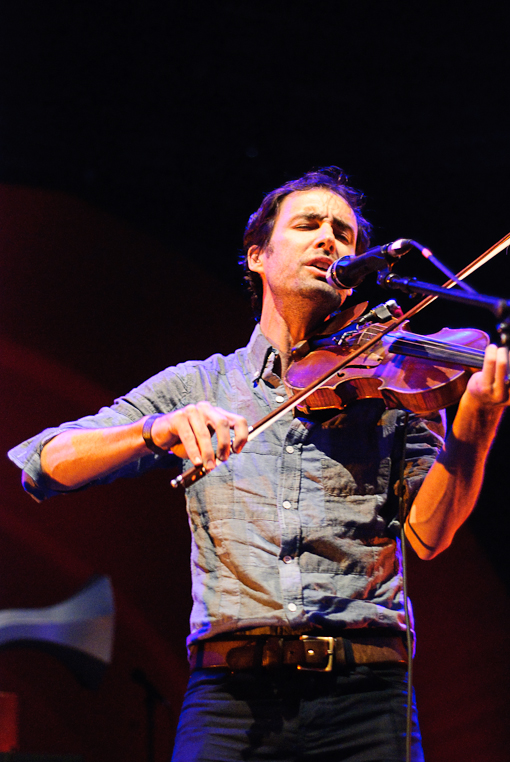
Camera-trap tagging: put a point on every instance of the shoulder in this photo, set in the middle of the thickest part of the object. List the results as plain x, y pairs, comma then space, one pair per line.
185, 382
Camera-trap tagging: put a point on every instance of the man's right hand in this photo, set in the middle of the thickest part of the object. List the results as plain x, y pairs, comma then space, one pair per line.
78, 456
188, 432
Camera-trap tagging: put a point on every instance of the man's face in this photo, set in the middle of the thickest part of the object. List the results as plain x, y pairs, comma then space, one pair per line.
312, 230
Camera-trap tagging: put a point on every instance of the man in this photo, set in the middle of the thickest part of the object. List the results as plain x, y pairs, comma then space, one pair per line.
295, 644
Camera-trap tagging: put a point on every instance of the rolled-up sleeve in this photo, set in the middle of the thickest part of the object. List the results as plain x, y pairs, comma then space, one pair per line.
425, 439
160, 394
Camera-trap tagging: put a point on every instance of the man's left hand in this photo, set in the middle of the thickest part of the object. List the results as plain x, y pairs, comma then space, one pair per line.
490, 386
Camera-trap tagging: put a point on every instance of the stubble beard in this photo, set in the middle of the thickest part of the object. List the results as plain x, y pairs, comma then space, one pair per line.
312, 300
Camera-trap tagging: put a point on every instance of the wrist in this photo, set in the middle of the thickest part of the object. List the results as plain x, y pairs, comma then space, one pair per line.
147, 435
476, 420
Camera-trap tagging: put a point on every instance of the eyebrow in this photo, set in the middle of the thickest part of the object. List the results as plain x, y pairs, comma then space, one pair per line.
337, 222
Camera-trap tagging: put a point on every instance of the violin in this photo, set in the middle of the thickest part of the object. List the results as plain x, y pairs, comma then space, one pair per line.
406, 370
419, 373
410, 371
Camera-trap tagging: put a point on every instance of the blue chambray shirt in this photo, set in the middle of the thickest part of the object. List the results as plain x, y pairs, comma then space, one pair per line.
299, 529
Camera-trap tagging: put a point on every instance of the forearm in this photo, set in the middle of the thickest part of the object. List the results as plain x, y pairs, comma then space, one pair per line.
78, 456
452, 486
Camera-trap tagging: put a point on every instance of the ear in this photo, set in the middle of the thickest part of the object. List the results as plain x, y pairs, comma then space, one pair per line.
254, 257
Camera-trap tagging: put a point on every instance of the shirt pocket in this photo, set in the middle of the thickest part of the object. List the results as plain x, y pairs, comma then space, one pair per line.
355, 477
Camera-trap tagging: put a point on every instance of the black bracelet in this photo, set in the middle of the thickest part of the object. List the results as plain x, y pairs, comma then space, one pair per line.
147, 435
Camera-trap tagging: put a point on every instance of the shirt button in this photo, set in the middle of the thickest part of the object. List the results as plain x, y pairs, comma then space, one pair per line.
287, 559
292, 607
287, 504
289, 449
279, 398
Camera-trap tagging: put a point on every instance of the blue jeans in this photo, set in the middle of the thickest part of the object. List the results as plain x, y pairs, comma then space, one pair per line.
293, 716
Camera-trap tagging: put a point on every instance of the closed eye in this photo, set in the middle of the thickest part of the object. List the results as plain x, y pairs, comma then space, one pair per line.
307, 225
342, 231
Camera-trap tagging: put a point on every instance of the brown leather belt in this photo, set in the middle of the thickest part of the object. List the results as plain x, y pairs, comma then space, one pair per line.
306, 652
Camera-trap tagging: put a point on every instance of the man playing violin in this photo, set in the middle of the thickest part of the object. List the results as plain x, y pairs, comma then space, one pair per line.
296, 643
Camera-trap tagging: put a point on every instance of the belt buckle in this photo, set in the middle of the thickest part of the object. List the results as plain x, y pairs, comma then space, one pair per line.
309, 651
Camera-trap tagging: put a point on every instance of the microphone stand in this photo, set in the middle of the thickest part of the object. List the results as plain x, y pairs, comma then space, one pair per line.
152, 698
498, 306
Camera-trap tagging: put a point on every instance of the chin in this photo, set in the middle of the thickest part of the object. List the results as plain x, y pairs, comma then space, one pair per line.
327, 299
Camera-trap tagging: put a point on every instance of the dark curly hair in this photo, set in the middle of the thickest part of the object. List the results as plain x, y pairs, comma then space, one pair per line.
259, 229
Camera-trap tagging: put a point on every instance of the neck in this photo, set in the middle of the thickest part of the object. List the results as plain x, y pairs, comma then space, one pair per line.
284, 328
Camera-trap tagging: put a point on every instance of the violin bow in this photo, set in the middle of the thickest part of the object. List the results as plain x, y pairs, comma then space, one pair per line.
195, 473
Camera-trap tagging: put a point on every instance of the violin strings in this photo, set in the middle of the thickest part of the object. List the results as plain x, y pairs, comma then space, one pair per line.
454, 353
430, 343
438, 351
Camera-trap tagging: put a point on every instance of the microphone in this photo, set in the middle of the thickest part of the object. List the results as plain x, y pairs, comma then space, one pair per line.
351, 270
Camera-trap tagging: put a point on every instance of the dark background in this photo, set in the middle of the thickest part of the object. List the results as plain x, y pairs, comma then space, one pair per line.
135, 140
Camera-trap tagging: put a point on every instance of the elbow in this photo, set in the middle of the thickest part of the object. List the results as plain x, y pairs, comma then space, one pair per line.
54, 468
426, 551
426, 554
423, 553
29, 485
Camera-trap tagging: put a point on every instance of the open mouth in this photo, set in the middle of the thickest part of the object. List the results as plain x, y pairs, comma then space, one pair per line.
320, 264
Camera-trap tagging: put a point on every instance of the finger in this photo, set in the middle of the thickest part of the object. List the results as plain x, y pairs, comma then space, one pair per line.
219, 421
186, 434
189, 427
200, 420
501, 381
181, 453
241, 431
501, 370
489, 366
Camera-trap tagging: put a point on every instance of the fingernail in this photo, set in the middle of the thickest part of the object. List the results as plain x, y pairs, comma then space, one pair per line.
210, 465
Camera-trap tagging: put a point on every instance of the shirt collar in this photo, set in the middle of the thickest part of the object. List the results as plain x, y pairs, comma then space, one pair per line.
260, 356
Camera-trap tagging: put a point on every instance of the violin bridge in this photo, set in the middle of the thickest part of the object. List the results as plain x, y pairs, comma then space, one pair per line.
374, 359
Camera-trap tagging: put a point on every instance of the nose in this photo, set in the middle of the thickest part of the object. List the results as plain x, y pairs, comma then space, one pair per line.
326, 239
